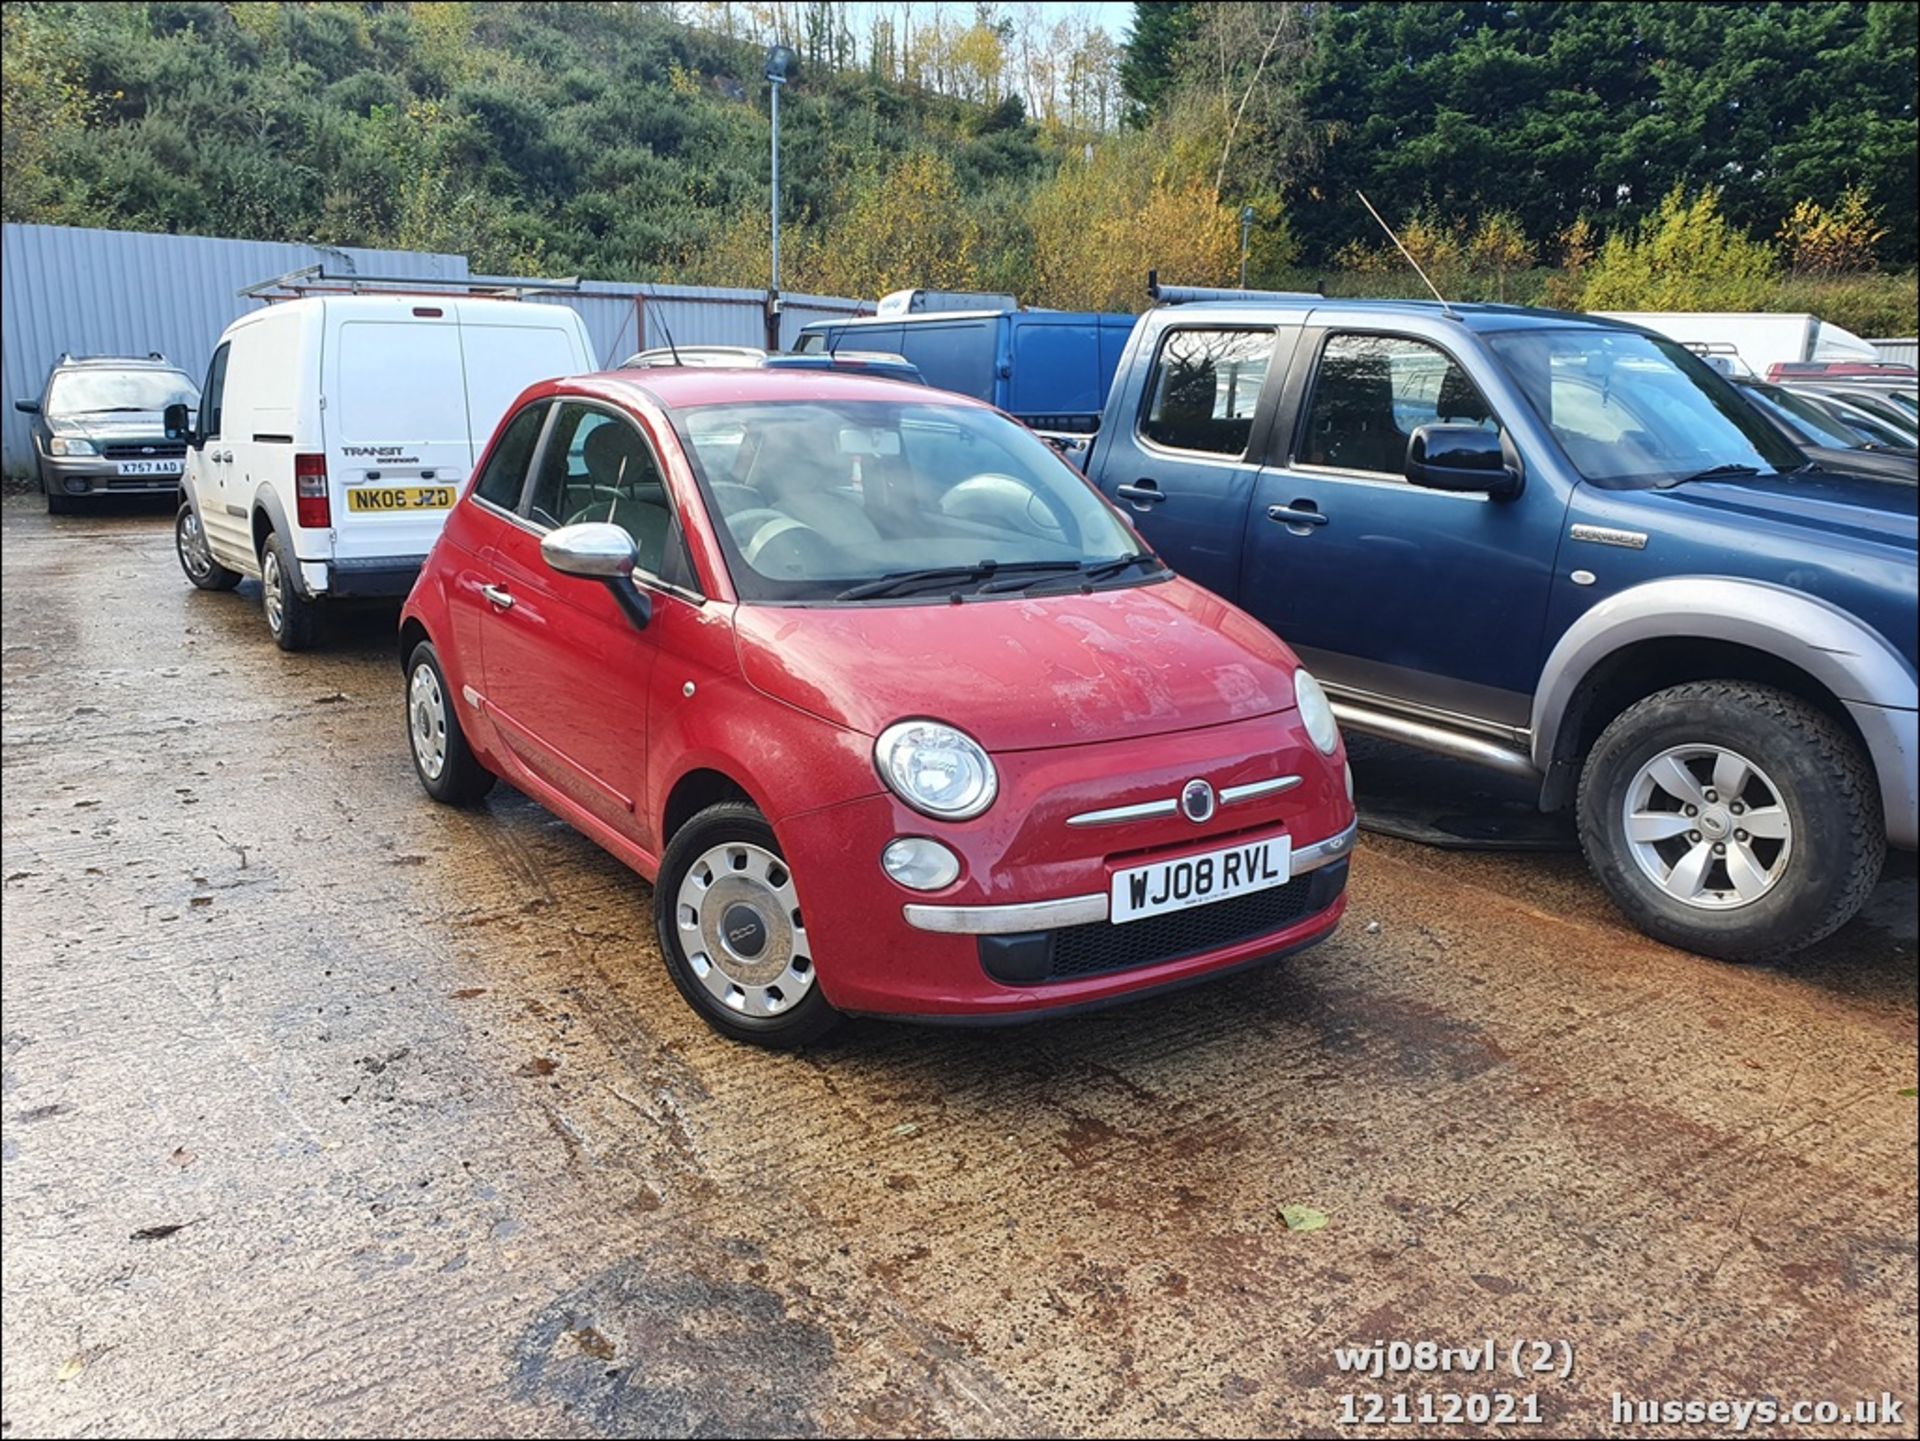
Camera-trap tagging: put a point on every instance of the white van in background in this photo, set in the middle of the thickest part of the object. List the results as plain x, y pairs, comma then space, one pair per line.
1758, 340
334, 435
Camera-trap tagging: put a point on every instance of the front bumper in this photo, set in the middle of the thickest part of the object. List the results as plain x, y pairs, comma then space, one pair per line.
84, 475
1025, 930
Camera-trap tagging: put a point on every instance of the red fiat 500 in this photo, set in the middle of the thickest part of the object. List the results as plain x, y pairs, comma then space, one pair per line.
898, 714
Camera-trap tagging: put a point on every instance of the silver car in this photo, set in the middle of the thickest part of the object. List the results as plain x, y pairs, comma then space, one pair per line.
98, 428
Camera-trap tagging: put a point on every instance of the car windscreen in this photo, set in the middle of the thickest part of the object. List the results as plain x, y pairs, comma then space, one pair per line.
814, 498
89, 392
1633, 409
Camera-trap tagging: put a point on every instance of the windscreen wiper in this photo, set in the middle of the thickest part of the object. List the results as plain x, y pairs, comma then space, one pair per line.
1087, 574
1712, 472
900, 581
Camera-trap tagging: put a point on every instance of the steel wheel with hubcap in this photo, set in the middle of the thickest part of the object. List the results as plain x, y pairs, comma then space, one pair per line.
733, 933
427, 714
1732, 818
446, 765
196, 556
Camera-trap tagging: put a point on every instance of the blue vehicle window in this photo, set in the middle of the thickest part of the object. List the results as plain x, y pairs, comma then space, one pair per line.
1205, 386
1373, 391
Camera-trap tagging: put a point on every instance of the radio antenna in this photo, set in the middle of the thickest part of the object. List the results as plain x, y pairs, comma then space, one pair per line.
676, 354
1404, 251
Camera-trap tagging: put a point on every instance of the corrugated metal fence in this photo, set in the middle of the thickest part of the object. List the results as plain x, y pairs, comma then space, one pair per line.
115, 292
1900, 352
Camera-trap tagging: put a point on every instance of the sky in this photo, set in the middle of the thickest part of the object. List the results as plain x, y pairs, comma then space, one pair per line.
1113, 16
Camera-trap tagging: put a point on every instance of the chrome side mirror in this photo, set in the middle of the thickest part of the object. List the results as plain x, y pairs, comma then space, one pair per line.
599, 550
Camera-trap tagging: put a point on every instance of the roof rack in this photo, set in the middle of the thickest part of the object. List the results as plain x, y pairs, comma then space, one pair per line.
1187, 294
312, 278
67, 357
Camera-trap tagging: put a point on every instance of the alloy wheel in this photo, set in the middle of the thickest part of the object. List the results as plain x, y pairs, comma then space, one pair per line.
1707, 826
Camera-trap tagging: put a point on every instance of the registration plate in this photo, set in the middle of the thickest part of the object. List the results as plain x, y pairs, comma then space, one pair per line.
149, 467
1198, 880
399, 497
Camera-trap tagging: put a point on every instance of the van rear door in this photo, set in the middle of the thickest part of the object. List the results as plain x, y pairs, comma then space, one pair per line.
508, 345
396, 426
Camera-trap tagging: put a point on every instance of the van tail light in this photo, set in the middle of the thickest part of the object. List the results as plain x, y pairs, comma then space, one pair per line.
313, 510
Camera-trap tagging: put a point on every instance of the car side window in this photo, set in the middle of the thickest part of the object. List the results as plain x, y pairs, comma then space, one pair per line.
1372, 392
505, 475
211, 400
597, 467
1204, 388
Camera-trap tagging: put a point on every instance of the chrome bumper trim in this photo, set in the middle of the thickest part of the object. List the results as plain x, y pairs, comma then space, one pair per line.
1253, 790
1083, 910
1170, 805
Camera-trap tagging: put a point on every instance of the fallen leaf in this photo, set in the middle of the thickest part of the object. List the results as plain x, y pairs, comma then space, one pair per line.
182, 1156
1302, 1218
1907, 1090
157, 1233
70, 1368
539, 1066
907, 1128
333, 699
467, 993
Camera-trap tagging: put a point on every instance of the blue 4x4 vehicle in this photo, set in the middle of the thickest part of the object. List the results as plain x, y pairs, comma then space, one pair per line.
1565, 548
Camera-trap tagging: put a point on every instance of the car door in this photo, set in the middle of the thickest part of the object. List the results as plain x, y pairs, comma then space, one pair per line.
209, 460
1184, 469
566, 672
1423, 598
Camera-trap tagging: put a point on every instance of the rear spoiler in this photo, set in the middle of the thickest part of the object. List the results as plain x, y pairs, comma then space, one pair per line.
1187, 294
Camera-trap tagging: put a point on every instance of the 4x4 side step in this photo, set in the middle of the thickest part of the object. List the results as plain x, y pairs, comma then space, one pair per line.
1477, 749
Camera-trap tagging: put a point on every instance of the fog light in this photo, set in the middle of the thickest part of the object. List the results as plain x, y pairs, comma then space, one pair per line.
920, 864
76, 485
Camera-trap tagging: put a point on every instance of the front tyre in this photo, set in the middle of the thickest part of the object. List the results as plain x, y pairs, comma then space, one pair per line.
1731, 819
732, 931
196, 557
293, 619
446, 765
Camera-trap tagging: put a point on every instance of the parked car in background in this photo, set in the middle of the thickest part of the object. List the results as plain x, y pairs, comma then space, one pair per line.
898, 715
1565, 548
1883, 404
1872, 428
99, 429
1049, 369
1824, 437
335, 434
747, 357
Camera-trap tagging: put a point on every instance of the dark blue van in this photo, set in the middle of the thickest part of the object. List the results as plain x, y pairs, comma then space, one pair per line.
1047, 368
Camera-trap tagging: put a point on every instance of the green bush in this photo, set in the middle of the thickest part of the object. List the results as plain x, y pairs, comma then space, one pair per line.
1685, 256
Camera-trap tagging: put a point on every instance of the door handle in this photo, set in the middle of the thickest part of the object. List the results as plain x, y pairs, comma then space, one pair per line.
1300, 513
1141, 492
499, 595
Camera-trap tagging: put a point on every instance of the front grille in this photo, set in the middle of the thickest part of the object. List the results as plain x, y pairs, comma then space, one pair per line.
145, 450
1101, 946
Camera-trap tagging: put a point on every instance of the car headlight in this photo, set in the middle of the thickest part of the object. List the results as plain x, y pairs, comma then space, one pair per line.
937, 770
71, 445
1316, 712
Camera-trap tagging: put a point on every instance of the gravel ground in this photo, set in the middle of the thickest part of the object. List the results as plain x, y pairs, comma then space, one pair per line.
329, 1110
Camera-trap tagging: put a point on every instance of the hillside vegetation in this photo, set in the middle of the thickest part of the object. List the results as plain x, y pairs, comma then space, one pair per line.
1625, 155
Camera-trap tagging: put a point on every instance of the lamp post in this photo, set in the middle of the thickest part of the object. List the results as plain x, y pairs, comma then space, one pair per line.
1246, 228
779, 66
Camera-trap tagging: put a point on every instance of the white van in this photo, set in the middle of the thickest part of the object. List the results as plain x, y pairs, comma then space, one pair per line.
335, 432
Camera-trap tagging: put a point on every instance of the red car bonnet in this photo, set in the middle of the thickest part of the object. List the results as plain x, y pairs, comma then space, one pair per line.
1019, 673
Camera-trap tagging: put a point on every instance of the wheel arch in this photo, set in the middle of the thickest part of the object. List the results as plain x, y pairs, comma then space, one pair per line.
1668, 632
696, 789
